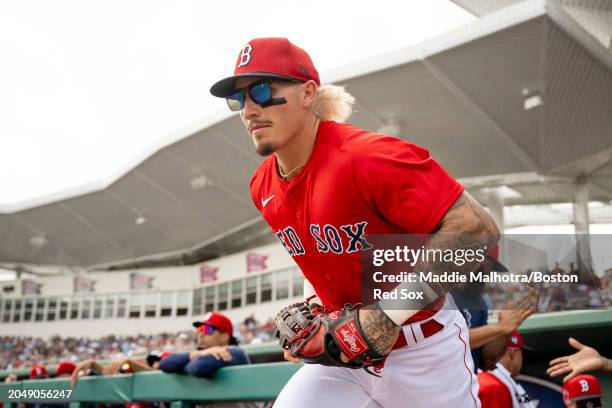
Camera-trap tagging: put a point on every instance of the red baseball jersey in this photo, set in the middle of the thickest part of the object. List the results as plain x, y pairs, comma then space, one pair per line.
355, 183
492, 392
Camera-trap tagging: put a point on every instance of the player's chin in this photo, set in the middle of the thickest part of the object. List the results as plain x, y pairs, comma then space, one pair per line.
264, 148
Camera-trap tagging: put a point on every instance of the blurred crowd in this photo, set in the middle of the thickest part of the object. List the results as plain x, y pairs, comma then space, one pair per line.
16, 352
554, 297
252, 332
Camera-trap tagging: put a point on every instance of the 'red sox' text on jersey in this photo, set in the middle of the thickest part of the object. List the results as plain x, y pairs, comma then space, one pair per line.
355, 183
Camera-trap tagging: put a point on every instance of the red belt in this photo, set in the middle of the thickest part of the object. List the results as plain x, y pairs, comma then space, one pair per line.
429, 328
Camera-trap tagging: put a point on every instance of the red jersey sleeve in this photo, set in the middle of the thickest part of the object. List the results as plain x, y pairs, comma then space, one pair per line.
407, 186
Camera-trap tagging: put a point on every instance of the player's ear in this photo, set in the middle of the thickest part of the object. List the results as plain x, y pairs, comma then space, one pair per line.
310, 93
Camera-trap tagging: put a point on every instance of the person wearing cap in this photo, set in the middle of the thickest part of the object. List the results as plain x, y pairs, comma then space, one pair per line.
499, 387
154, 358
323, 187
38, 371
216, 347
470, 301
65, 369
582, 391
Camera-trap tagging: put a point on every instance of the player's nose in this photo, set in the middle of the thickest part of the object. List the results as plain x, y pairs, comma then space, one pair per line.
251, 109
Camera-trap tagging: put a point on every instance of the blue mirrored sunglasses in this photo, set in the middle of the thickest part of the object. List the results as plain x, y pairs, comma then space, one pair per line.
260, 92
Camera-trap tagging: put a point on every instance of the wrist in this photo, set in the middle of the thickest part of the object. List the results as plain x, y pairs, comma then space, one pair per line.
504, 329
606, 364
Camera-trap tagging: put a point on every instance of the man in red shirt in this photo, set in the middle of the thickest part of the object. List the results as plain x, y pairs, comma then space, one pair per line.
323, 188
498, 387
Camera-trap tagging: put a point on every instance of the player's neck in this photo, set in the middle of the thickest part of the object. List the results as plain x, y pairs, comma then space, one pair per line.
293, 156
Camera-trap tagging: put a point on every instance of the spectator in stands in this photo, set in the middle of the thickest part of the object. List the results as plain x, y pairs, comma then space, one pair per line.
154, 358
558, 270
11, 378
215, 348
244, 336
266, 331
582, 391
65, 369
498, 387
38, 371
251, 322
558, 299
586, 359
16, 352
118, 366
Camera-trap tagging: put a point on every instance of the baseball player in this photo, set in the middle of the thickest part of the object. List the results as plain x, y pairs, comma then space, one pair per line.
323, 187
582, 391
499, 387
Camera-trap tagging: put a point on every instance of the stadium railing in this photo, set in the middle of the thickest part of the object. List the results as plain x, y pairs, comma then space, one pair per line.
256, 382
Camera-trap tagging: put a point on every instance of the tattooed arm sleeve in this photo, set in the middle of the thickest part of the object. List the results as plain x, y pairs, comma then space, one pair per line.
466, 225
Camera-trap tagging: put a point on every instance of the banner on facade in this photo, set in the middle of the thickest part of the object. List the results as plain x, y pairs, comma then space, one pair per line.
256, 262
30, 287
140, 281
208, 273
81, 284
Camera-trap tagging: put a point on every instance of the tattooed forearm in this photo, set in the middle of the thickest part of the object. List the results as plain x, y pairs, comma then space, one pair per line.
466, 225
380, 331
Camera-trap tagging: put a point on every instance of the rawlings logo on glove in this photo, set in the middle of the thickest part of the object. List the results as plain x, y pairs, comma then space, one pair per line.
316, 337
348, 336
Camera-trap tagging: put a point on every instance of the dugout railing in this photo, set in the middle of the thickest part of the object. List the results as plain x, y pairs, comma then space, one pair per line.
257, 382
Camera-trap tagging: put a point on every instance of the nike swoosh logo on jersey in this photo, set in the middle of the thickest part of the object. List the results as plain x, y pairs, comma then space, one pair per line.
267, 200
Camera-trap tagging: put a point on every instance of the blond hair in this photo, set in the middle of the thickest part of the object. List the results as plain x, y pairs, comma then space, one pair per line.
333, 102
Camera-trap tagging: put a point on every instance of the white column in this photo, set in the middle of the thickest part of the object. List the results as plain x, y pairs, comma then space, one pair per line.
581, 207
581, 225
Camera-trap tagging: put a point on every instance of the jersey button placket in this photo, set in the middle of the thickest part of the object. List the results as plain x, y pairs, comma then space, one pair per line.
294, 202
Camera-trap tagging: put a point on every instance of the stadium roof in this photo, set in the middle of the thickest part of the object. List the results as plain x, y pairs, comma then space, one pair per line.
521, 100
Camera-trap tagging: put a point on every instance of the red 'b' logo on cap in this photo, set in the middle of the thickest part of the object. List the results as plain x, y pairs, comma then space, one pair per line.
245, 56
